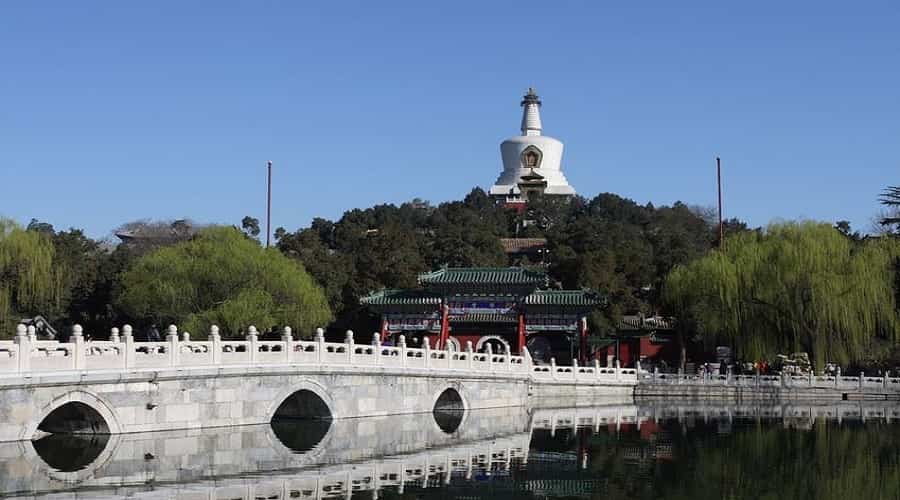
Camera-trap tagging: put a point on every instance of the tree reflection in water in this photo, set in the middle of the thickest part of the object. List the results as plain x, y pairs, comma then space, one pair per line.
70, 452
740, 460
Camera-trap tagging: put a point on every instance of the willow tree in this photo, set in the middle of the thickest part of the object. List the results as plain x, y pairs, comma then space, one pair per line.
30, 279
222, 277
795, 287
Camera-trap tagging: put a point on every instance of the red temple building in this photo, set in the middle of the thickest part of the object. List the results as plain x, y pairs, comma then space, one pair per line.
506, 308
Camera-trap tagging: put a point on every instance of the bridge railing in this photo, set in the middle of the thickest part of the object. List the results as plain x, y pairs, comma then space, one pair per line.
587, 374
25, 354
837, 381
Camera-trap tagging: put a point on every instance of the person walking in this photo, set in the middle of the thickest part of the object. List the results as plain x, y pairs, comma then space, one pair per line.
153, 334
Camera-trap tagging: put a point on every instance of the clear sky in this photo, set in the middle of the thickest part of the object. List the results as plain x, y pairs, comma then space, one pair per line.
116, 111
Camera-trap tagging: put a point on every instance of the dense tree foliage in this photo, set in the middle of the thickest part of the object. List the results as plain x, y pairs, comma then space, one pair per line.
222, 277
608, 243
795, 287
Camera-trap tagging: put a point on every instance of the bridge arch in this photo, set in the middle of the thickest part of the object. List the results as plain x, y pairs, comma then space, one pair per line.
449, 408
94, 414
303, 399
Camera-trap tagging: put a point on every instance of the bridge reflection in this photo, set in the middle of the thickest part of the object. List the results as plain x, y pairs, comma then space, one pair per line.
335, 459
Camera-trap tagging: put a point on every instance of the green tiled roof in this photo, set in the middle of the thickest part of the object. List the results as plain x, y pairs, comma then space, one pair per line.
485, 318
563, 298
484, 275
391, 297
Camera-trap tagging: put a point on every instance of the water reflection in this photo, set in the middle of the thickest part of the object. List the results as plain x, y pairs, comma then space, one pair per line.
300, 436
666, 451
70, 452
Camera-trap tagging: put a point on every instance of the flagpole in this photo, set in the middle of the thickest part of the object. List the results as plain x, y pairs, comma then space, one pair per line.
269, 204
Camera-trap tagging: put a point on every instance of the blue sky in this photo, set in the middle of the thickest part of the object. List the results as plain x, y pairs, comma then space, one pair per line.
116, 111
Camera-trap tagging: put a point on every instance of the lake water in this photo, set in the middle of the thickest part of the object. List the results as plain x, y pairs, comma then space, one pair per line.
663, 451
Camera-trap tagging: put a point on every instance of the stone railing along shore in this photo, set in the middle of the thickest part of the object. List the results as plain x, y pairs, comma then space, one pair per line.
786, 381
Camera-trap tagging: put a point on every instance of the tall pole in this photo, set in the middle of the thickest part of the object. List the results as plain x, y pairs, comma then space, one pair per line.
269, 205
719, 182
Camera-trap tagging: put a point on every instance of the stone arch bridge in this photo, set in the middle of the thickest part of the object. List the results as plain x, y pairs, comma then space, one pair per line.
122, 386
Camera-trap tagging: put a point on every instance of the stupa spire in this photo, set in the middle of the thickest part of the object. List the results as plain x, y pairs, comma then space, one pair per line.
531, 114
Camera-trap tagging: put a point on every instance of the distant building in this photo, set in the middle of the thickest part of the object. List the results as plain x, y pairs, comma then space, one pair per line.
506, 308
650, 340
523, 251
531, 161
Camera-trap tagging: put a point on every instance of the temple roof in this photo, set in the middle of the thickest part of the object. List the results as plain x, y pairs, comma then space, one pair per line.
564, 298
485, 318
640, 322
400, 297
484, 275
516, 245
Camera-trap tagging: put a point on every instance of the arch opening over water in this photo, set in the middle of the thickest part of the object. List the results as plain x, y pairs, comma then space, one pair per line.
301, 421
74, 417
303, 405
449, 410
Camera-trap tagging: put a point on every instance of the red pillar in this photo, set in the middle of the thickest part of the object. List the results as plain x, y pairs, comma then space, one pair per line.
584, 331
521, 332
445, 327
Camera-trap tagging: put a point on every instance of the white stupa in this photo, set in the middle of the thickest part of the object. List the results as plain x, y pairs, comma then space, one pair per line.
531, 161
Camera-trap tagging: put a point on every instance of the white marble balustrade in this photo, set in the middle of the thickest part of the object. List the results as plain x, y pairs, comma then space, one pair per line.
26, 354
862, 381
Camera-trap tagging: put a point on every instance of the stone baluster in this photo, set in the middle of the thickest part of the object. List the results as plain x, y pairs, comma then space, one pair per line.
812, 378
470, 354
426, 348
574, 369
287, 338
884, 381
401, 343
253, 343
376, 346
526, 359
320, 345
185, 336
25, 346
114, 335
215, 344
32, 333
350, 346
862, 375
128, 338
553, 368
597, 368
837, 376
79, 348
173, 347
489, 352
618, 370
655, 373
509, 362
